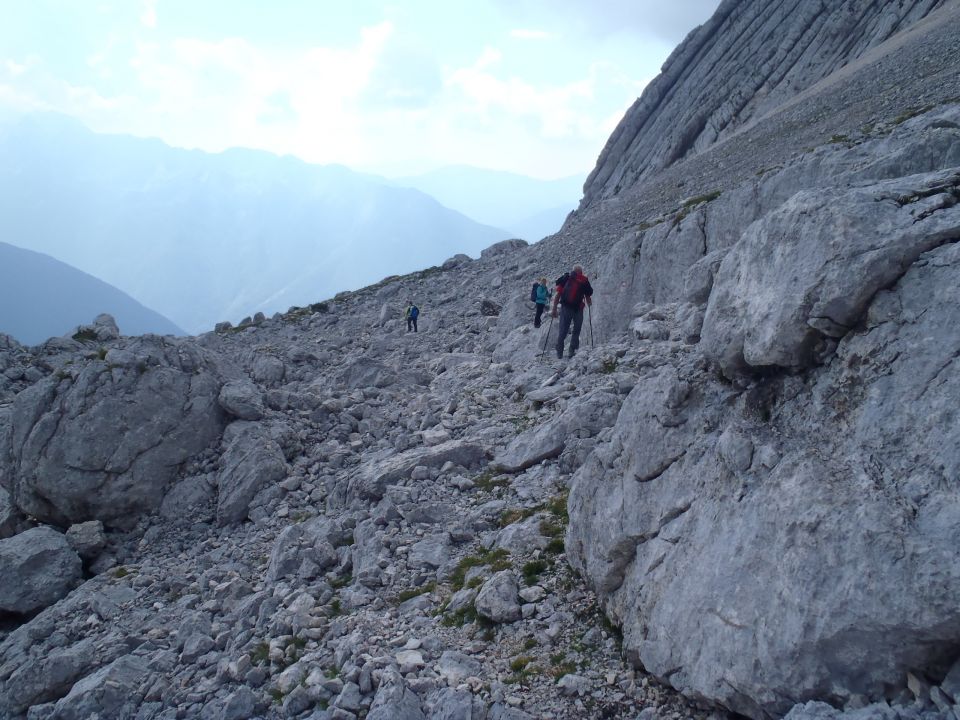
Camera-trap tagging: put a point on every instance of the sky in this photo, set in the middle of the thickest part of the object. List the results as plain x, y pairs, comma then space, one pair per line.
397, 88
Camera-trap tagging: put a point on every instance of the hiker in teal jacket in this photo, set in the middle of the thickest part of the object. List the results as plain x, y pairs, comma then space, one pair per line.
542, 295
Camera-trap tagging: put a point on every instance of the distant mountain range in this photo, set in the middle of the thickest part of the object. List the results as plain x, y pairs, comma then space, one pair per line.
207, 237
527, 207
41, 297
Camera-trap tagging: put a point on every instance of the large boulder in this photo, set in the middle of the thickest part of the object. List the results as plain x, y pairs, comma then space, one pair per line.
38, 568
804, 274
104, 441
252, 461
583, 417
372, 477
113, 692
793, 539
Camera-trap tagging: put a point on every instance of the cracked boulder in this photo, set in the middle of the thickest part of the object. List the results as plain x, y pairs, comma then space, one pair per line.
583, 418
38, 568
760, 542
104, 441
804, 274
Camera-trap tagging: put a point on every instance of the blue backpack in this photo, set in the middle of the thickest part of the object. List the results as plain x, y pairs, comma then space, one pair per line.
414, 312
533, 292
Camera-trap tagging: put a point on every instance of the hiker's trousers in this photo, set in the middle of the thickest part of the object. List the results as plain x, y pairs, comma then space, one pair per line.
569, 316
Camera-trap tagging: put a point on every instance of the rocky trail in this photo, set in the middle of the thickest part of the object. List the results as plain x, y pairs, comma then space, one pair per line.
741, 501
428, 571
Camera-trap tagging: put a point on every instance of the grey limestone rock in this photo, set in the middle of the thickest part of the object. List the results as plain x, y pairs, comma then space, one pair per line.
239, 705
584, 417
394, 700
498, 598
710, 562
39, 567
807, 272
111, 693
373, 477
454, 667
87, 539
252, 461
241, 400
11, 520
431, 552
105, 444
504, 247
706, 92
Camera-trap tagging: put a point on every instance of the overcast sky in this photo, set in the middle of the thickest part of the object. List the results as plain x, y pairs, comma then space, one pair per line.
530, 86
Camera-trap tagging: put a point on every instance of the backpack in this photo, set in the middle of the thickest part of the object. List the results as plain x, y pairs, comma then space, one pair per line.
414, 312
571, 290
533, 292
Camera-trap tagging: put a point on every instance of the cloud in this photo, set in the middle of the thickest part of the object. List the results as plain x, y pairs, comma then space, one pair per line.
521, 34
148, 15
667, 22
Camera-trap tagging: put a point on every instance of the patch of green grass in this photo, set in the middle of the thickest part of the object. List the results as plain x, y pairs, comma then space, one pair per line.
836, 139
475, 583
336, 608
520, 422
121, 572
411, 593
513, 515
701, 199
260, 655
522, 668
341, 582
867, 129
911, 113
466, 616
529, 643
555, 546
608, 366
488, 480
520, 662
533, 570
276, 695
85, 336
102, 353
557, 505
496, 559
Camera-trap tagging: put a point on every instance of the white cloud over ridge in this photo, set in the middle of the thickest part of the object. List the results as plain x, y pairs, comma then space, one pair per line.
390, 94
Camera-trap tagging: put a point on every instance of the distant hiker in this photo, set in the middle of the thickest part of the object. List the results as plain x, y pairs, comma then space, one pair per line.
413, 312
573, 290
540, 296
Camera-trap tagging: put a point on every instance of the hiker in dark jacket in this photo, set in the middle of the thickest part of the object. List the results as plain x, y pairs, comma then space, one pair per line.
413, 312
542, 297
573, 290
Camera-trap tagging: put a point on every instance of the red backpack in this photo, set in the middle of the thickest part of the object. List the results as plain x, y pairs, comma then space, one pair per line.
572, 289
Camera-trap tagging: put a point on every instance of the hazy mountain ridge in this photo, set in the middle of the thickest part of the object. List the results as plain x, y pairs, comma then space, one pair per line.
41, 297
528, 207
204, 237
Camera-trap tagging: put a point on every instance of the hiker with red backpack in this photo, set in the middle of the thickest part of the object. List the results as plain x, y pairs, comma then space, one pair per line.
573, 291
539, 296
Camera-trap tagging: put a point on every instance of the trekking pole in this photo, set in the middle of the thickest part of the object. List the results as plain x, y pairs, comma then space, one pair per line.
547, 338
590, 318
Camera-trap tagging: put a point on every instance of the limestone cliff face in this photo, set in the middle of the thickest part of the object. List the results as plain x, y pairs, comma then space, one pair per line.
749, 58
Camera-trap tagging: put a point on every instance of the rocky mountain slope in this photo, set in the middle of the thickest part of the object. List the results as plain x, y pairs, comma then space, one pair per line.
206, 237
746, 61
739, 497
41, 297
